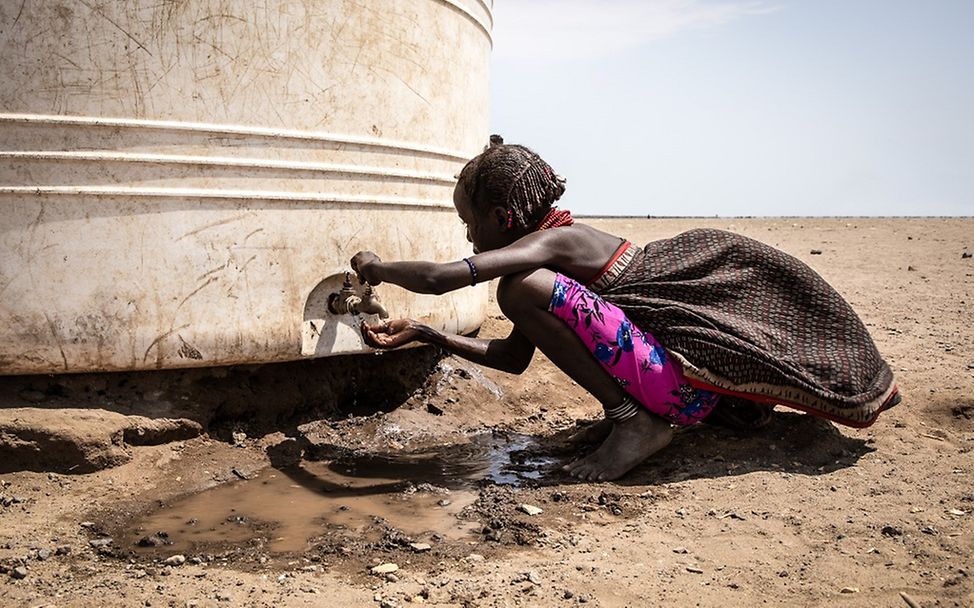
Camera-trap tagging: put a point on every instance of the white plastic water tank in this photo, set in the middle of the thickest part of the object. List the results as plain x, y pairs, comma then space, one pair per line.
183, 183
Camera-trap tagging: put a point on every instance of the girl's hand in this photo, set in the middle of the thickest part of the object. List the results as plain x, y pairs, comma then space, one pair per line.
390, 334
364, 264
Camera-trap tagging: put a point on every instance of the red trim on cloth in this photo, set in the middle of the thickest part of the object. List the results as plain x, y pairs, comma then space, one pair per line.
771, 401
624, 247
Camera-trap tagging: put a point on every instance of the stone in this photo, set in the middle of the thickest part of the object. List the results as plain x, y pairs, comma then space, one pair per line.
19, 572
849, 590
816, 252
420, 547
43, 554
694, 570
387, 568
891, 531
100, 543
151, 541
175, 560
530, 509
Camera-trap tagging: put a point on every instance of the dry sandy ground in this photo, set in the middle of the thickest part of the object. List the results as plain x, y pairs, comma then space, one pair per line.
802, 513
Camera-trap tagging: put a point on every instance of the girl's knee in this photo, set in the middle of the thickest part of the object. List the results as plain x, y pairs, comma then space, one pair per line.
523, 291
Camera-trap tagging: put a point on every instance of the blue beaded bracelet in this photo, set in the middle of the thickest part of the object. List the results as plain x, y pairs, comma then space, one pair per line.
473, 271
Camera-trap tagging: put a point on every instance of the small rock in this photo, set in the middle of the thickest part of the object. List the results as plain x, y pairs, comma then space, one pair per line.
239, 438
849, 590
100, 543
87, 524
175, 560
911, 269
444, 502
568, 594
816, 252
957, 512
420, 547
680, 550
63, 550
391, 578
694, 570
966, 255
533, 577
530, 509
150, 541
388, 568
891, 531
19, 572
476, 558
43, 554
387, 603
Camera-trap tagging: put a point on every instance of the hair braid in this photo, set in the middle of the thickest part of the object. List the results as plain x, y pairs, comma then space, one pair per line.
515, 178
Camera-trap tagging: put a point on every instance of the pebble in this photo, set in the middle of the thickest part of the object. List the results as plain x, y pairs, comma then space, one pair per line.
175, 560
530, 509
816, 252
476, 557
957, 512
19, 572
568, 594
98, 543
63, 550
150, 541
966, 255
849, 590
680, 550
891, 531
533, 577
694, 570
43, 554
420, 547
385, 568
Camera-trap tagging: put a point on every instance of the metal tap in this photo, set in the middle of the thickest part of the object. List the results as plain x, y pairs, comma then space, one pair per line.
347, 300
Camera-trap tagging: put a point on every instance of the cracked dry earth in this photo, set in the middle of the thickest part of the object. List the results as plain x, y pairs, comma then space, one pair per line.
160, 491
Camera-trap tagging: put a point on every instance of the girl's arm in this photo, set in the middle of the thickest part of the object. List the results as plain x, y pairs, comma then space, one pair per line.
511, 354
527, 253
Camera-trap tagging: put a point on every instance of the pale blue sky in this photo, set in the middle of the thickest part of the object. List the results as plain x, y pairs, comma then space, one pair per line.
743, 107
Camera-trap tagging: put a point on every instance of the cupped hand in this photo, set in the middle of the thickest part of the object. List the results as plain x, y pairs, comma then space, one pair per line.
390, 334
364, 264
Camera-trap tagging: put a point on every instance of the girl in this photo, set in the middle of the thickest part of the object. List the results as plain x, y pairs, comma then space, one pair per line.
705, 325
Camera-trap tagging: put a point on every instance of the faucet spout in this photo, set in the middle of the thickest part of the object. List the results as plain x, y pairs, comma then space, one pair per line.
370, 303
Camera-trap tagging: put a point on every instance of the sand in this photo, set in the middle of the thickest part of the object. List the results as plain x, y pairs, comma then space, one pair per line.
800, 513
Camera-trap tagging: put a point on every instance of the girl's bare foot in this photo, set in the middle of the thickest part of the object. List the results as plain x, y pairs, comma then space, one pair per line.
593, 433
628, 444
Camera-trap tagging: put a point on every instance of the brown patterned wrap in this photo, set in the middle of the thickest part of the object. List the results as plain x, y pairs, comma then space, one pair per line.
747, 319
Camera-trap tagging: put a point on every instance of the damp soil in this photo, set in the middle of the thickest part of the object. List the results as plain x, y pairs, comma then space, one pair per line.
428, 496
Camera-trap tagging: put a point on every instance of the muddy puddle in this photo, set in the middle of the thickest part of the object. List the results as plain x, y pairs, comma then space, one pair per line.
421, 494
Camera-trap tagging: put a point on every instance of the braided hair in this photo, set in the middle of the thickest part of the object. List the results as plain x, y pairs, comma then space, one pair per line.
512, 177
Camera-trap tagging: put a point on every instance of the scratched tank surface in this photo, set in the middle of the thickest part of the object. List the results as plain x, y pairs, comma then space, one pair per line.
183, 183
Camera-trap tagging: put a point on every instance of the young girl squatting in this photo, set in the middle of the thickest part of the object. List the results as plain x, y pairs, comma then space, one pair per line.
705, 325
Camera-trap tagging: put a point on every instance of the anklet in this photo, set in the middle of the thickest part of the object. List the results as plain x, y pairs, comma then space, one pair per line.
624, 411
